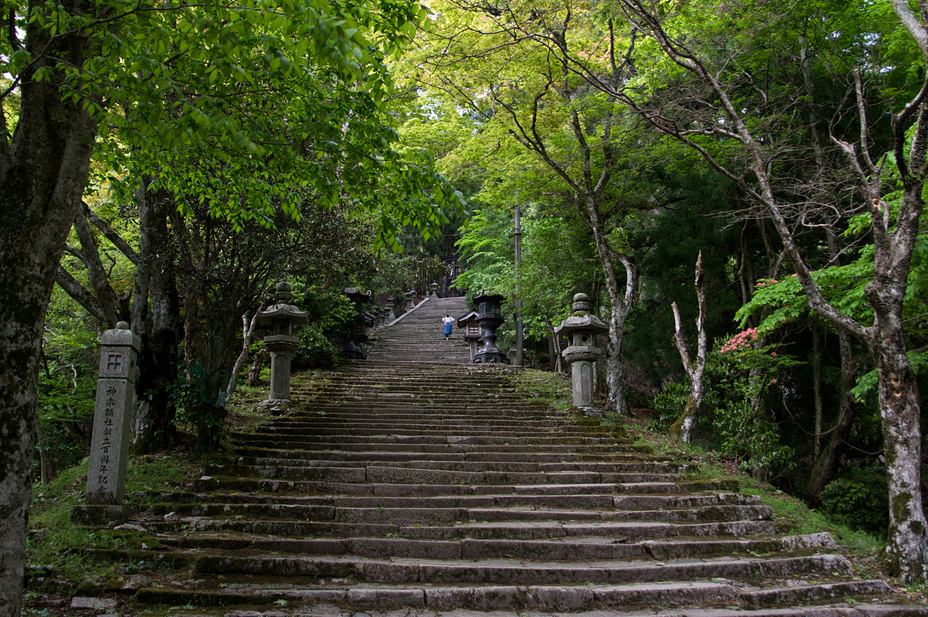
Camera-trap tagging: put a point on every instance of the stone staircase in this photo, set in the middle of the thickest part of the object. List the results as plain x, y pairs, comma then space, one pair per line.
418, 489
416, 336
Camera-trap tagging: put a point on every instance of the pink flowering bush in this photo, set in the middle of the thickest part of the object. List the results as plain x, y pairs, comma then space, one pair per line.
739, 378
743, 341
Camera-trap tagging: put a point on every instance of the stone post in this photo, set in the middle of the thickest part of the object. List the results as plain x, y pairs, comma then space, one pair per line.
490, 317
112, 422
281, 317
582, 327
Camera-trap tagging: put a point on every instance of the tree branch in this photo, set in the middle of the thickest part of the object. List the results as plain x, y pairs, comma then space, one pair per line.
80, 295
110, 234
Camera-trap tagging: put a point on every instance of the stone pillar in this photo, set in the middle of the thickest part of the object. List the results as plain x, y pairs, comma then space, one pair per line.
282, 348
582, 327
112, 429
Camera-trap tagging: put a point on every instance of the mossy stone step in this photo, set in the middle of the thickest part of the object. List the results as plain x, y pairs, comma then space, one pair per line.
508, 530
419, 462
507, 572
586, 549
410, 486
433, 515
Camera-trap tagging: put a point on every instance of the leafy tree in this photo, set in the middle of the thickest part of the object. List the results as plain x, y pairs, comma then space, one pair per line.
82, 69
757, 171
494, 62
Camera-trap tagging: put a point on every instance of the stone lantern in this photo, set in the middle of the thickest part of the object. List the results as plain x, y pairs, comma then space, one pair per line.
490, 317
281, 318
410, 299
434, 287
472, 331
352, 346
581, 328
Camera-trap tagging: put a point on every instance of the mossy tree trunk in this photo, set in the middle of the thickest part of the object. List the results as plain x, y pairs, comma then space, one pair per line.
156, 319
43, 167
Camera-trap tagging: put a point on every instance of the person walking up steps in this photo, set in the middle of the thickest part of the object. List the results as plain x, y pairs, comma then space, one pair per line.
447, 320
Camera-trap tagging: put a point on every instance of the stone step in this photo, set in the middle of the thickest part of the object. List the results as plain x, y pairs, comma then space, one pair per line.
432, 435
409, 475
336, 417
715, 599
429, 489
584, 549
448, 446
433, 515
508, 572
338, 441
511, 530
266, 485
589, 499
405, 455
418, 462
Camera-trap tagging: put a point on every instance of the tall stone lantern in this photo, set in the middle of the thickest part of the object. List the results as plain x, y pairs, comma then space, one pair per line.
358, 335
281, 318
581, 328
490, 317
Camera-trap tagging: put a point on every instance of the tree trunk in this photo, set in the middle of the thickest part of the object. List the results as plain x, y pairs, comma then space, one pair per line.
827, 462
156, 315
907, 546
621, 304
254, 372
42, 175
683, 427
817, 388
248, 330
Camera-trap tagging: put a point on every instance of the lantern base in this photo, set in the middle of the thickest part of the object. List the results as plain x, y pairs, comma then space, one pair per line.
491, 357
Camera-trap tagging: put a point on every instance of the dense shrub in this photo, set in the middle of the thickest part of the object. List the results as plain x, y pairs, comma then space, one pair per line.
858, 498
316, 350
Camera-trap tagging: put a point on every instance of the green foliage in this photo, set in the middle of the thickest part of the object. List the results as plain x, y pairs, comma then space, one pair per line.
487, 247
858, 499
739, 376
316, 350
739, 380
243, 105
197, 408
669, 403
67, 384
329, 311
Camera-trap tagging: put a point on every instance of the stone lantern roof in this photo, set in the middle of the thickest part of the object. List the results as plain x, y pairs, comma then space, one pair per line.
283, 309
581, 319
